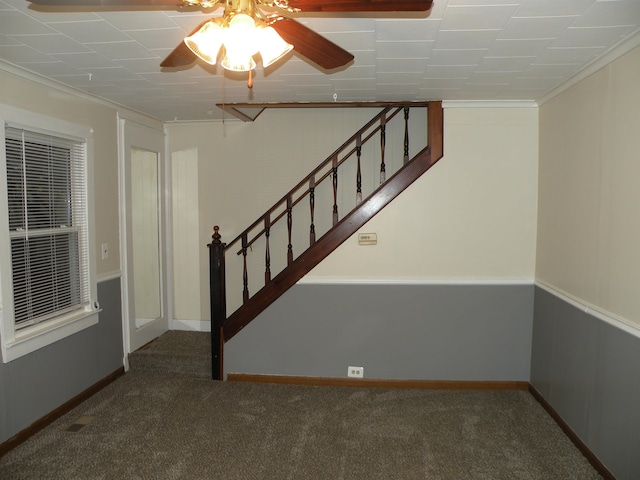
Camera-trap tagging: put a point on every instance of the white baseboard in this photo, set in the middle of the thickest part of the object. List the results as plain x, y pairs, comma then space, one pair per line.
191, 325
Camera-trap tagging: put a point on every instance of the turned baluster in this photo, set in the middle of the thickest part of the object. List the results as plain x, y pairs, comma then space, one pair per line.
383, 140
406, 134
359, 172
312, 207
267, 253
245, 275
289, 225
334, 176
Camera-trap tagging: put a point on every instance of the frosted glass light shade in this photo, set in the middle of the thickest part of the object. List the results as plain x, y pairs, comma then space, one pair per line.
240, 43
237, 64
206, 42
272, 46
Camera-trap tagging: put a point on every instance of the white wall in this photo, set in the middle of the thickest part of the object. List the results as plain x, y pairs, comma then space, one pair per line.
471, 217
588, 223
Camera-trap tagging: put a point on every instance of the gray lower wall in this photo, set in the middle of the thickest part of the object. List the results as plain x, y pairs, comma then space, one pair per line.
433, 332
589, 371
36, 384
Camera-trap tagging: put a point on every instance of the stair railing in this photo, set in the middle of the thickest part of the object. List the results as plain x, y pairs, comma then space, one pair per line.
279, 219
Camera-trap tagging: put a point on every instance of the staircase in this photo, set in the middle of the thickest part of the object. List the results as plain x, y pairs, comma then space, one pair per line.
279, 218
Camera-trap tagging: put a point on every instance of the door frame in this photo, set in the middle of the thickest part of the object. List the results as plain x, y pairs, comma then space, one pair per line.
129, 127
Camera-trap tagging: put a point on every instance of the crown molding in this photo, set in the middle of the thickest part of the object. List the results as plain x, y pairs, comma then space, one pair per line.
615, 52
489, 104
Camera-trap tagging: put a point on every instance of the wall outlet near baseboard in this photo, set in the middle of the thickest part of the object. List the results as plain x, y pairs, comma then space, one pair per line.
355, 372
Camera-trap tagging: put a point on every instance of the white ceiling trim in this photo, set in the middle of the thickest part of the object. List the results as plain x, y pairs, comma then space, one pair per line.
48, 82
489, 104
609, 57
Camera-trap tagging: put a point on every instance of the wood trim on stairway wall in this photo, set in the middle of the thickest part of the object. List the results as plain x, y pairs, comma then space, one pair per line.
50, 417
378, 382
573, 436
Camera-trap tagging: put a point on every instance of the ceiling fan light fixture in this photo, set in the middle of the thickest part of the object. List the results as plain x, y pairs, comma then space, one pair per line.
238, 64
240, 43
272, 46
206, 42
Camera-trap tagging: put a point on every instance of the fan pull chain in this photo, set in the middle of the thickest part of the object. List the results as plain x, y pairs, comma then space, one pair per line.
250, 81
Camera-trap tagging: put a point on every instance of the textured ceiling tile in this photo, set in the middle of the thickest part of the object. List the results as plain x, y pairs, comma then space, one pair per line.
495, 78
79, 80
548, 70
110, 74
569, 55
536, 27
309, 80
85, 60
140, 65
124, 50
144, 20
405, 30
4, 40
166, 37
336, 24
545, 8
54, 69
91, 32
400, 65
463, 39
16, 23
518, 48
21, 54
354, 83
403, 49
175, 78
404, 78
436, 71
456, 57
52, 43
505, 64
449, 83
481, 17
596, 36
610, 14
355, 72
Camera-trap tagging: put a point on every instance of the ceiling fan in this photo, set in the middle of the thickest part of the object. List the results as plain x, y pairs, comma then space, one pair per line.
245, 29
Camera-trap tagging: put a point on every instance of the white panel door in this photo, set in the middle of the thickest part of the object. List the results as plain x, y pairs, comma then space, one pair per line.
144, 256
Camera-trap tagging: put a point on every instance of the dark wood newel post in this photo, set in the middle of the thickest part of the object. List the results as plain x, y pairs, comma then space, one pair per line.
217, 289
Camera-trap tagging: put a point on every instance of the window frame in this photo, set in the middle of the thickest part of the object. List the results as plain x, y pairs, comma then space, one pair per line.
17, 342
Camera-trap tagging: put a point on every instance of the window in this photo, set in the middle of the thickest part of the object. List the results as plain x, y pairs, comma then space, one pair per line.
50, 285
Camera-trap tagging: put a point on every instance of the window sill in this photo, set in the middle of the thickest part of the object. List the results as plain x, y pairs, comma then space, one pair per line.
35, 337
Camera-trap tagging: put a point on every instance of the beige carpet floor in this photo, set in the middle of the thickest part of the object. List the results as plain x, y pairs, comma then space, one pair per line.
155, 425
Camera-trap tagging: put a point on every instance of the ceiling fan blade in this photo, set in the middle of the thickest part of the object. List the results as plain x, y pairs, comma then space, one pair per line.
312, 45
361, 5
182, 55
179, 57
108, 3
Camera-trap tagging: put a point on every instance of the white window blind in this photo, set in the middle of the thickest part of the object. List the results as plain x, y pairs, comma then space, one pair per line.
48, 225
